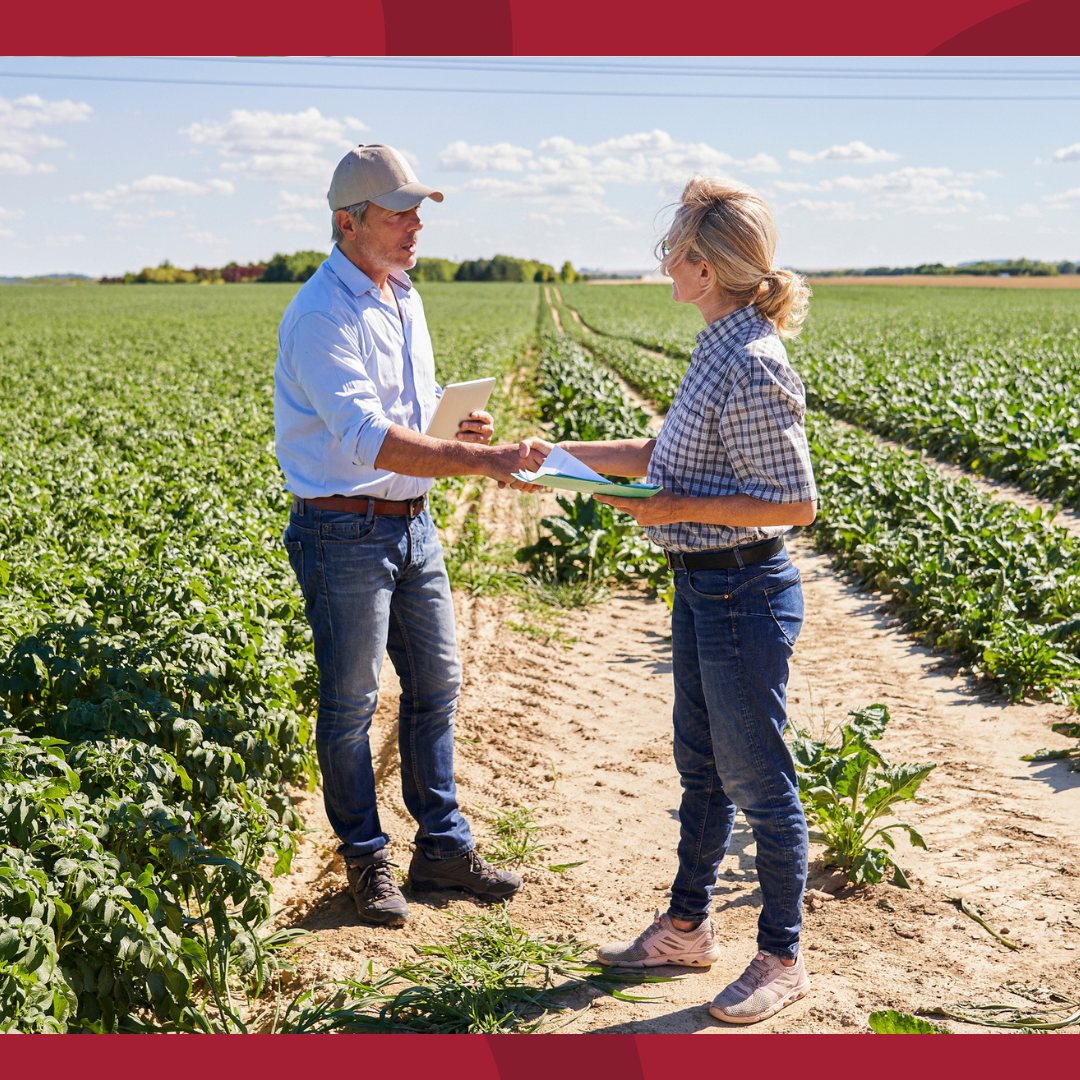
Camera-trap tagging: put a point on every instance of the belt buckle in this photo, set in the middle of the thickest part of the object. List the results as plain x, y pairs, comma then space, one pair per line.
415, 506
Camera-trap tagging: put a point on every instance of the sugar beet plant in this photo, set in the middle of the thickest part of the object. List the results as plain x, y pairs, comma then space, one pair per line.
155, 671
987, 378
589, 541
986, 580
847, 789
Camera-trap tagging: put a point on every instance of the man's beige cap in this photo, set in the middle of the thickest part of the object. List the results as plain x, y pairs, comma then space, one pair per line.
378, 174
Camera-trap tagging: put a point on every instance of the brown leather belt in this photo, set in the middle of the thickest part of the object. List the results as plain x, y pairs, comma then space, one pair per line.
351, 504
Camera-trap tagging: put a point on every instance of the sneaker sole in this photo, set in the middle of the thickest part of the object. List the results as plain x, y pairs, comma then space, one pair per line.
418, 885
788, 999
659, 961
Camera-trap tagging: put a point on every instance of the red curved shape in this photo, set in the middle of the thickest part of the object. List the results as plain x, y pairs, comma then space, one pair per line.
543, 1059
440, 28
1035, 28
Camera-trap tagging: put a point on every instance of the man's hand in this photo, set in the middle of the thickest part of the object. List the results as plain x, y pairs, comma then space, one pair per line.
502, 461
479, 428
663, 508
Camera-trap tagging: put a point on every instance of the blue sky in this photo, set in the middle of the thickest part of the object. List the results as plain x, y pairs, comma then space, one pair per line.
101, 176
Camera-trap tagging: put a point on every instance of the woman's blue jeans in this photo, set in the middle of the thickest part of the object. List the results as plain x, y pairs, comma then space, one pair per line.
732, 633
375, 585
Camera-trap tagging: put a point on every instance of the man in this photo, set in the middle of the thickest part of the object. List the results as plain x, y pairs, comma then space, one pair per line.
354, 388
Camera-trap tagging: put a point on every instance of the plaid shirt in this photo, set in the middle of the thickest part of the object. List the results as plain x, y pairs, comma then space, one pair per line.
735, 427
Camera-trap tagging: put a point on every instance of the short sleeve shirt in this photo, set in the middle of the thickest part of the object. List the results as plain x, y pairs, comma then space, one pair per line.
735, 427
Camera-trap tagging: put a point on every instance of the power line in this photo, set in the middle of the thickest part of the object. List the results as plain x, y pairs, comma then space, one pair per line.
530, 65
538, 91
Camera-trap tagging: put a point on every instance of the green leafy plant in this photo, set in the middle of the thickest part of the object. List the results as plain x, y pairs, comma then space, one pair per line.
1071, 754
593, 542
847, 789
495, 977
891, 1022
514, 839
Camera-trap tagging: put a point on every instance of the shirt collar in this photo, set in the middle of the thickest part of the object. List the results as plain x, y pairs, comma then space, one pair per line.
355, 280
727, 326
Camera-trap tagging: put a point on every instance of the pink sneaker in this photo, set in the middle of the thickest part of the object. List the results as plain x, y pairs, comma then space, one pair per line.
761, 991
661, 943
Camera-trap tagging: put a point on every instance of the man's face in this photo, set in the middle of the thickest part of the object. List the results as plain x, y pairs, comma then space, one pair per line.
388, 237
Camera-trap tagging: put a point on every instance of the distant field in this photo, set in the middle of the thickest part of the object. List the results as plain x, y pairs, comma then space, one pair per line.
1062, 281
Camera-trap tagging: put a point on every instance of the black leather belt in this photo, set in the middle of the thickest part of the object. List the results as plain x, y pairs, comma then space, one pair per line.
353, 504
725, 559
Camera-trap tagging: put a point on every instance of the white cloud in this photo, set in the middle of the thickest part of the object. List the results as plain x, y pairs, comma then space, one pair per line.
11, 215
1063, 200
831, 210
460, 156
564, 178
1028, 210
17, 165
204, 238
1068, 153
854, 152
65, 241
921, 190
5, 232
148, 189
993, 217
20, 117
289, 200
291, 222
277, 146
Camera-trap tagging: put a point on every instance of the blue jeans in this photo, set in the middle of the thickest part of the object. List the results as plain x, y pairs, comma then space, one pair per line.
732, 633
375, 585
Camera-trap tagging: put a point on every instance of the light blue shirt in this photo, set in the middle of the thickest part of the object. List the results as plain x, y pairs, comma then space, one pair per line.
348, 368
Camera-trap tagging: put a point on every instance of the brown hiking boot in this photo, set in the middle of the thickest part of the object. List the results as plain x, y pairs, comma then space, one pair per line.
375, 892
469, 872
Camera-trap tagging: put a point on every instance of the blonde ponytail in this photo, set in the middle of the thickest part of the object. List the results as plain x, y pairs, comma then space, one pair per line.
731, 228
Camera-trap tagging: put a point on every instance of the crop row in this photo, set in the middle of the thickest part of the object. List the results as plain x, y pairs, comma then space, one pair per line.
986, 580
987, 378
155, 667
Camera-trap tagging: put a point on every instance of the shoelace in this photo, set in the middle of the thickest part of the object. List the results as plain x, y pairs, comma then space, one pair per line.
378, 880
757, 972
477, 865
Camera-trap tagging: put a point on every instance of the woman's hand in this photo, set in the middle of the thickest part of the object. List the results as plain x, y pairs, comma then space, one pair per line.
531, 455
479, 428
663, 508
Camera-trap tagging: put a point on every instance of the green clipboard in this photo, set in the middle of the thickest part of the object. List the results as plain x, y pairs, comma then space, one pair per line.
592, 487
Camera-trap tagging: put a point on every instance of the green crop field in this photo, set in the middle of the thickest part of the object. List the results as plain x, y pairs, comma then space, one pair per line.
154, 668
156, 680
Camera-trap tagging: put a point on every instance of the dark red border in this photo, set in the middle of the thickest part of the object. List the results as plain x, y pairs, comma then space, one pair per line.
511, 1057
528, 27
551, 27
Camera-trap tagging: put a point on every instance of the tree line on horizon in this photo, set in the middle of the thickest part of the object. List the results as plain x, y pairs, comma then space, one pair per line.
302, 264
987, 268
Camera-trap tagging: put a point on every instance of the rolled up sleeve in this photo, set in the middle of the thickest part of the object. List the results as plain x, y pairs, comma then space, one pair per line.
329, 366
761, 428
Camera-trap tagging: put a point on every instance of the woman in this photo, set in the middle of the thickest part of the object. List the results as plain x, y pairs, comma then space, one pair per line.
733, 461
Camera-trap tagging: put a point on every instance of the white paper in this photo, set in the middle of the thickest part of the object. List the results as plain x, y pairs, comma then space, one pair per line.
559, 461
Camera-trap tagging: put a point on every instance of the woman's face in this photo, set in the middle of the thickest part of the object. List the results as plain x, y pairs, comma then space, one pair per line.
690, 282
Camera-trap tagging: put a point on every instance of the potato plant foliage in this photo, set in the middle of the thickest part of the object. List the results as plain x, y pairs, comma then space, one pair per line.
155, 672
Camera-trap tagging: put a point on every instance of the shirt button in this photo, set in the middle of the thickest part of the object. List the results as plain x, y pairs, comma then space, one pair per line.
726, 597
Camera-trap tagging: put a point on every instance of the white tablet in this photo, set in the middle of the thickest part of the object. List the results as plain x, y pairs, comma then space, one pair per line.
457, 402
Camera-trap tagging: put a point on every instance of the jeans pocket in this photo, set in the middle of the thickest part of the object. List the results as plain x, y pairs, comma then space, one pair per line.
355, 531
710, 584
786, 607
295, 550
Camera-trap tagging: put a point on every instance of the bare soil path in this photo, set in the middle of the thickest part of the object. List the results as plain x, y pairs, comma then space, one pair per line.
584, 733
